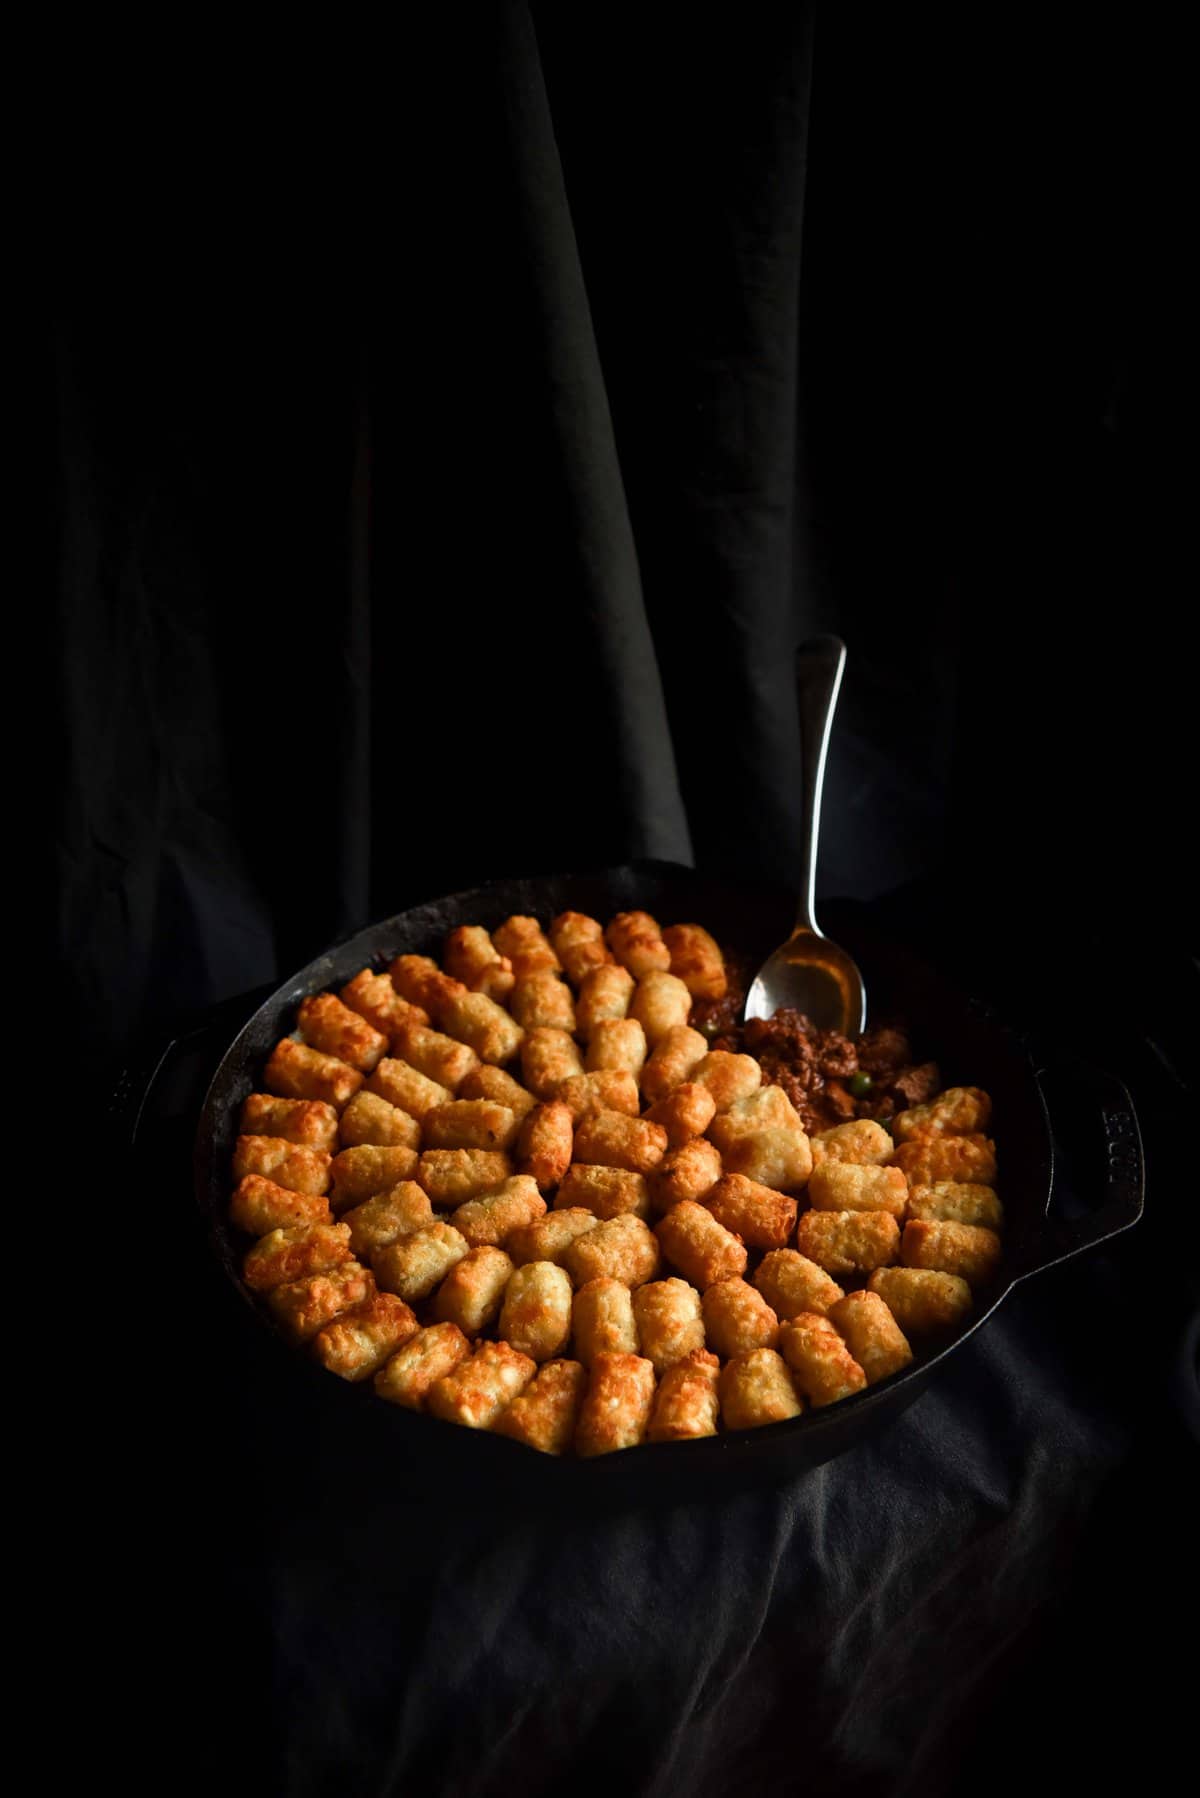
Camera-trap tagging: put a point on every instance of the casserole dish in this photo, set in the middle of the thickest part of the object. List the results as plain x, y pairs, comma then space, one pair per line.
968, 1040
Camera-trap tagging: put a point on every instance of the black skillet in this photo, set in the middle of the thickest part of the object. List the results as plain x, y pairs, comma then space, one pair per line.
970, 1044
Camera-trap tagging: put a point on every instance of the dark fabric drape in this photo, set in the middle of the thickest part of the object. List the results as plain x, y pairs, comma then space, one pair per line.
454, 440
690, 225
531, 423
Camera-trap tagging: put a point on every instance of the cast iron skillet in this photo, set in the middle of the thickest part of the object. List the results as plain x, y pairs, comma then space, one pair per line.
970, 1044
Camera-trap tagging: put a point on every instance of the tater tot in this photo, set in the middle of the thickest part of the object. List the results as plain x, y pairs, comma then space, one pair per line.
660, 1003
402, 1086
928, 1159
436, 1056
685, 1113
702, 1249
956, 1202
527, 946
386, 1215
608, 1089
546, 1143
761, 1136
544, 1416
621, 1248
921, 1300
762, 1217
686, 1405
849, 1242
872, 1334
667, 1313
602, 1320
543, 1002
823, 1369
326, 1024
676, 1057
780, 1159
959, 1111
536, 1314
791, 1283
604, 997
689, 1172
737, 1318
258, 1206
357, 1344
610, 1139
370, 1119
452, 1176
637, 942
360, 1172
619, 1043
295, 1071
484, 1026
579, 944
616, 1405
963, 1249
471, 1294
756, 1389
607, 1191
548, 1057
418, 979
294, 1254
767, 1107
374, 998
309, 1122
476, 1391
487, 1082
287, 1163
494, 1215
727, 1077
548, 1238
472, 957
470, 1124
304, 1306
854, 1186
696, 959
407, 1376
862, 1140
414, 1264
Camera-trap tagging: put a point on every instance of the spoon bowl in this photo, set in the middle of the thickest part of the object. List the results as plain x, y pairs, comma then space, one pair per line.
808, 972
812, 975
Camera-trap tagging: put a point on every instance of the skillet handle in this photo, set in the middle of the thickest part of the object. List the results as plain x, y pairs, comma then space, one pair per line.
130, 1091
1124, 1174
136, 1079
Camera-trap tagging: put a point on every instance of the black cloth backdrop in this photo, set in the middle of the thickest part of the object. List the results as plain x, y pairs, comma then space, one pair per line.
454, 443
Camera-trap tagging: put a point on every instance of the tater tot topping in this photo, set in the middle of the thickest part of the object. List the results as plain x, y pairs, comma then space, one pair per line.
539, 1179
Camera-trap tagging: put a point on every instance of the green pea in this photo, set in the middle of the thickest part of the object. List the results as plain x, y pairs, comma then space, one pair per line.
859, 1084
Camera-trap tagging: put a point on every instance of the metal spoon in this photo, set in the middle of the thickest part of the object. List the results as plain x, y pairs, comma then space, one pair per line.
808, 971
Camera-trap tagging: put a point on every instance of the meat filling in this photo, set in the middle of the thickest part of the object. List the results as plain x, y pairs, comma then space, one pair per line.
829, 1078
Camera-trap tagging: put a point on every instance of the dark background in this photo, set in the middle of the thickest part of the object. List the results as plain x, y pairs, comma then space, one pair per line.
453, 441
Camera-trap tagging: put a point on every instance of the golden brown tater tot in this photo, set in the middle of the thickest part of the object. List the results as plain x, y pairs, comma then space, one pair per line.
697, 960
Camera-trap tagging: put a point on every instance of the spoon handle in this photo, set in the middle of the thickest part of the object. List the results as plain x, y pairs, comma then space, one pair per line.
819, 666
